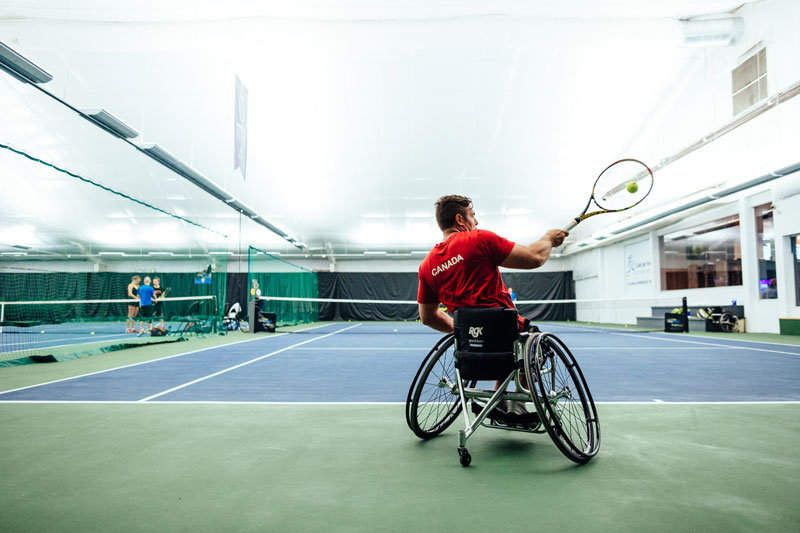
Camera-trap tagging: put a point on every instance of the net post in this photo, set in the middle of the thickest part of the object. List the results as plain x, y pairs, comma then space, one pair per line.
685, 313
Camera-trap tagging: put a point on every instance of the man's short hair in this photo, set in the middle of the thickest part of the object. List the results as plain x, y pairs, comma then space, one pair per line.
447, 207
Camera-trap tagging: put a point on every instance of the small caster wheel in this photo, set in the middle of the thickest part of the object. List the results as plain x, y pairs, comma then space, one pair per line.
464, 457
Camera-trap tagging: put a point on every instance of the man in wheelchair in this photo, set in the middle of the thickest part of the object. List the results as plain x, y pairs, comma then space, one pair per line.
462, 271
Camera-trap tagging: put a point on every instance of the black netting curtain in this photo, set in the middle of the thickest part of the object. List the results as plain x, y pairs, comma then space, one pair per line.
403, 286
109, 285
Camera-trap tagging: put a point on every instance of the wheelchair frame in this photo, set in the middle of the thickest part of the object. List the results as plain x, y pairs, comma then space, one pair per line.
545, 359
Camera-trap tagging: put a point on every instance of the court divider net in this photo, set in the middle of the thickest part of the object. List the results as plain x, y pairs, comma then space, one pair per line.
56, 330
633, 315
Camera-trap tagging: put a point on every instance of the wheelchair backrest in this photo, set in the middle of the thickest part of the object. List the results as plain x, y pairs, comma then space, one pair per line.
486, 329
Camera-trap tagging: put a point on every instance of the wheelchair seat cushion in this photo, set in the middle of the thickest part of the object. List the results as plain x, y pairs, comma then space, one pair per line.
485, 342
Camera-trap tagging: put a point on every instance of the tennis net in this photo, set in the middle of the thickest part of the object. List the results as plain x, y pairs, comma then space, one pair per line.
556, 316
33, 331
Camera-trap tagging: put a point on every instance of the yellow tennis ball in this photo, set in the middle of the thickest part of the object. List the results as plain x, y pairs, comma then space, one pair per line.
632, 187
395, 330
42, 331
93, 333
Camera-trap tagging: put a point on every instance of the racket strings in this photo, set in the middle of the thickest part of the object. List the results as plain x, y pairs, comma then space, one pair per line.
623, 185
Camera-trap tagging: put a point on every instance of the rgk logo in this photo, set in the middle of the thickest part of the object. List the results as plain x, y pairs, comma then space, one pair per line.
476, 332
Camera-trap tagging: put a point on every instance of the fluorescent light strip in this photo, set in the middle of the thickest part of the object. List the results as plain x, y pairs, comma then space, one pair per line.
110, 122
791, 169
19, 67
164, 157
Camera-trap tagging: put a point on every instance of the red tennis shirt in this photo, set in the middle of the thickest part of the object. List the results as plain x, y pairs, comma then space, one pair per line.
462, 271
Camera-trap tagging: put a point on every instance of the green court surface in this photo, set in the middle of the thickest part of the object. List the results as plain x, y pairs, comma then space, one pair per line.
296, 467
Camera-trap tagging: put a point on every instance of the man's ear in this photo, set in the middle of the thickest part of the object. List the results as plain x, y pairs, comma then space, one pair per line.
459, 219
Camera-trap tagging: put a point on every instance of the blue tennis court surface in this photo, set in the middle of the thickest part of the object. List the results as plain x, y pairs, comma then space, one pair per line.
335, 364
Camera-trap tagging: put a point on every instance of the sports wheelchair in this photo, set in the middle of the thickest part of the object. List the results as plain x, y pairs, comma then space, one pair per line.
487, 345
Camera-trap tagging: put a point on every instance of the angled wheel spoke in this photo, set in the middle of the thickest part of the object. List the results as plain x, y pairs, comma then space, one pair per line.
432, 404
563, 399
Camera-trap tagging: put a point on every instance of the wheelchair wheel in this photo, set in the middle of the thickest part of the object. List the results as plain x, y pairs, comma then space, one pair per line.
433, 402
562, 397
728, 322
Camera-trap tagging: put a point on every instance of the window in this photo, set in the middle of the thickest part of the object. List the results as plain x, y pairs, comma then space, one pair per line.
795, 240
749, 81
709, 255
765, 249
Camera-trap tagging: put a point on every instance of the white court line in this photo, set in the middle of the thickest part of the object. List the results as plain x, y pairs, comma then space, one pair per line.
173, 389
202, 402
733, 339
426, 348
649, 348
152, 361
136, 364
728, 346
43, 343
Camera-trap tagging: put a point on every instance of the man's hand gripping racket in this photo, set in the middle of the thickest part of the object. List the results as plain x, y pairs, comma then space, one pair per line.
622, 185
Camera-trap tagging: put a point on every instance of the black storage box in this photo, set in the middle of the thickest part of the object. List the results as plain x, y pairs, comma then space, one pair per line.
485, 342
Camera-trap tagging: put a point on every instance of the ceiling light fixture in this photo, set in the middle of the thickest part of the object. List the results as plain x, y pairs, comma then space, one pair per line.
712, 32
169, 160
19, 67
785, 171
181, 168
111, 123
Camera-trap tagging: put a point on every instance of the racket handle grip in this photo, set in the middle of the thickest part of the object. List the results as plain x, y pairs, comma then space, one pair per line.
572, 224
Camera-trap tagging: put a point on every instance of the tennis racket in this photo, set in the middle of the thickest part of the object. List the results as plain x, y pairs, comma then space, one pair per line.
622, 185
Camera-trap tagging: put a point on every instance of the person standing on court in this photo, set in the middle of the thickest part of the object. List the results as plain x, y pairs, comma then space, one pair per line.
146, 300
158, 304
463, 269
133, 306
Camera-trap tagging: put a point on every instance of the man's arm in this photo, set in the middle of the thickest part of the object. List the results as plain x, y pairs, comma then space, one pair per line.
535, 254
432, 317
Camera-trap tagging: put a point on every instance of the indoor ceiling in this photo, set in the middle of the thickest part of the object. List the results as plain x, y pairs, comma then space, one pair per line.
359, 117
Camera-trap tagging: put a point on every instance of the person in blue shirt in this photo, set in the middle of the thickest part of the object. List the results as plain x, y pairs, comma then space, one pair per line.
146, 300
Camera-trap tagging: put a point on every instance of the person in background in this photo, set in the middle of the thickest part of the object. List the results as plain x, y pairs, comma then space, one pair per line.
513, 295
772, 289
146, 300
133, 307
159, 293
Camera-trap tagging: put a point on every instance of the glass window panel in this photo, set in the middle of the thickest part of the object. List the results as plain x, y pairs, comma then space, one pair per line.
796, 255
765, 250
708, 255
